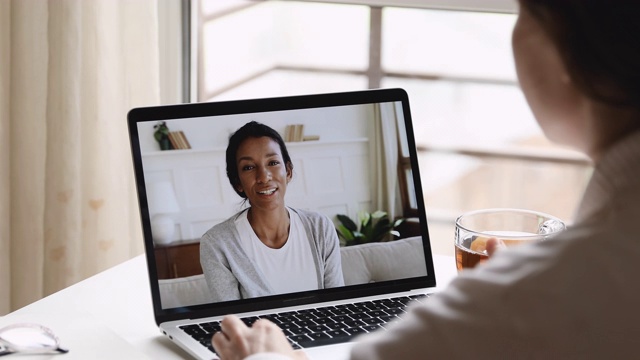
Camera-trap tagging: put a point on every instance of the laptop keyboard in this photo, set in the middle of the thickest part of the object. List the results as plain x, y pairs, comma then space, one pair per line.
321, 326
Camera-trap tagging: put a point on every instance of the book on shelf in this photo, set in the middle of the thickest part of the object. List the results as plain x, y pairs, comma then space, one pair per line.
173, 140
299, 132
311, 138
179, 140
287, 133
185, 142
290, 133
294, 133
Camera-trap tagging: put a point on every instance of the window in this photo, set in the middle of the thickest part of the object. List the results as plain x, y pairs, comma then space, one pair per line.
479, 144
280, 48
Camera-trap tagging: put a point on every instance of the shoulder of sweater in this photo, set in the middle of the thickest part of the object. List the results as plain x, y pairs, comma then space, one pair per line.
224, 227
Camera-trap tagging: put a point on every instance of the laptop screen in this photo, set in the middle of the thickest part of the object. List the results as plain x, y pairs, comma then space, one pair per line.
319, 200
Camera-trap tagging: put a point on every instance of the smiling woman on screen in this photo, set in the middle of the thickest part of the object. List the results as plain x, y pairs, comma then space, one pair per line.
268, 248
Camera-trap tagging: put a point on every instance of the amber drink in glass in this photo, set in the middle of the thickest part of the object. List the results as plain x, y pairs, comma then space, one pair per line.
512, 226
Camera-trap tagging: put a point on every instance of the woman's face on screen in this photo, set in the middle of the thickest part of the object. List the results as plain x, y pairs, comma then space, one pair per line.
262, 171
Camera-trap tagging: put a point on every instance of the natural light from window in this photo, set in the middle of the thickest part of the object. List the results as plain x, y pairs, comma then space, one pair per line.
480, 145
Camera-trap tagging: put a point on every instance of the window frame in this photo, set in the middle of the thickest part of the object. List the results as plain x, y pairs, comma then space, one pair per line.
375, 73
496, 6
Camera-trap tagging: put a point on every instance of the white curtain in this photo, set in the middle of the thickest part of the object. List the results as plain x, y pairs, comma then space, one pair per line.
385, 161
69, 72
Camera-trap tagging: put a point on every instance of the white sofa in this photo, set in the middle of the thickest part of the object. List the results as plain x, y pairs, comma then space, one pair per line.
360, 264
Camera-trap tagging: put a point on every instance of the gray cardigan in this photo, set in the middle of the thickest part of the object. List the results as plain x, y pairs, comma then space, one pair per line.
231, 275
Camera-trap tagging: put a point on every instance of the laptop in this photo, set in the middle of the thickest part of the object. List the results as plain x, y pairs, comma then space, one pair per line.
354, 163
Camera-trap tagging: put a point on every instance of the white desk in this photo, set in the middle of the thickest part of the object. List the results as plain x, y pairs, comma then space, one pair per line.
110, 315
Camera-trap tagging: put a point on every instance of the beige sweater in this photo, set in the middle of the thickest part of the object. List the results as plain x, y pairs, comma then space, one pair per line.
574, 297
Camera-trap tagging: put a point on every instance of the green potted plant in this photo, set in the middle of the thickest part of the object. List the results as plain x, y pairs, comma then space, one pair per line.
372, 227
161, 134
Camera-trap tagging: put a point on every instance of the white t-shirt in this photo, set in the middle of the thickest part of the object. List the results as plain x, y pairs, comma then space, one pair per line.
288, 269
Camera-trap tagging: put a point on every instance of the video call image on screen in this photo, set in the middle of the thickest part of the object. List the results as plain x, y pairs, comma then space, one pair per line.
348, 163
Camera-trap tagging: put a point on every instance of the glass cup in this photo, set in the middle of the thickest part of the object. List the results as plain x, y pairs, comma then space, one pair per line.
512, 226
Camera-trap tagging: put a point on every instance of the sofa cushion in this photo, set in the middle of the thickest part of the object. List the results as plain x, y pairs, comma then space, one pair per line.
360, 264
383, 261
191, 290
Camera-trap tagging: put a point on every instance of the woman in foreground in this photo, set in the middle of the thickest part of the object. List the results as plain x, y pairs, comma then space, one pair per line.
573, 297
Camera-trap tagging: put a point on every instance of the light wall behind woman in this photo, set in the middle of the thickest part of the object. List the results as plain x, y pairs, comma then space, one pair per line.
330, 124
339, 173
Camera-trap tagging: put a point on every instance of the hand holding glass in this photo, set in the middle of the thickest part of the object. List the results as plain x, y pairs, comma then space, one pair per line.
512, 226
